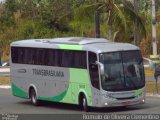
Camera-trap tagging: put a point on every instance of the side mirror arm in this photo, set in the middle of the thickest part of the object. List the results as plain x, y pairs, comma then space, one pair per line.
151, 63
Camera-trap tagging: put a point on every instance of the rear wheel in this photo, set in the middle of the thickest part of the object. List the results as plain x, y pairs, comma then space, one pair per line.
33, 97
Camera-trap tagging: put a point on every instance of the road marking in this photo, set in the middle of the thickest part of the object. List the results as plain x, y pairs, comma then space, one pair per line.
149, 72
4, 70
5, 86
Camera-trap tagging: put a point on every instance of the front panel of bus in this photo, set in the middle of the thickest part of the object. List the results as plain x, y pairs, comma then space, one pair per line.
123, 81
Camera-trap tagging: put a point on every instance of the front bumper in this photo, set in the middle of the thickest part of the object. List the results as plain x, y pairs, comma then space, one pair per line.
113, 102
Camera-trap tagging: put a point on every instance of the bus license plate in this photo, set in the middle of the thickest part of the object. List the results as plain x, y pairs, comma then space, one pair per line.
126, 103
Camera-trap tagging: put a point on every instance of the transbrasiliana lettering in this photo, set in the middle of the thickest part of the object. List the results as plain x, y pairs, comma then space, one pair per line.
48, 73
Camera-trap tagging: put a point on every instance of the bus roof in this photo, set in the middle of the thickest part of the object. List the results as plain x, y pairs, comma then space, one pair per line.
97, 45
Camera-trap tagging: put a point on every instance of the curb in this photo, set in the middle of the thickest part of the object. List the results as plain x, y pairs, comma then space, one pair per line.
152, 95
149, 72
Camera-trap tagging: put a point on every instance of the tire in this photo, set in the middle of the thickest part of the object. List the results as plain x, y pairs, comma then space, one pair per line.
33, 97
83, 104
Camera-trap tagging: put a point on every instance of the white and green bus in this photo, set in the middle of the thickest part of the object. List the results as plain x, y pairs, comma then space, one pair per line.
90, 72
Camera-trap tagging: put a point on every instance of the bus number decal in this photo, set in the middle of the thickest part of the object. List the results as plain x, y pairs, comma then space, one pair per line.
81, 86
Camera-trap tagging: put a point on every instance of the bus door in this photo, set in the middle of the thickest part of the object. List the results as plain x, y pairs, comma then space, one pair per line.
94, 76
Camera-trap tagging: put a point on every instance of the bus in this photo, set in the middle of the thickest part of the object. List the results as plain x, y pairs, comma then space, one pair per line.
89, 72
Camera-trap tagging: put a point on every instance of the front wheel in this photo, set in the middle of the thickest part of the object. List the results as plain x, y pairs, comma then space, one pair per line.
33, 97
83, 104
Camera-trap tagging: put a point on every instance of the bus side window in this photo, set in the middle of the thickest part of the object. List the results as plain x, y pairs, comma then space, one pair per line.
40, 57
20, 55
25, 56
30, 56
58, 58
79, 60
50, 57
93, 70
14, 53
67, 58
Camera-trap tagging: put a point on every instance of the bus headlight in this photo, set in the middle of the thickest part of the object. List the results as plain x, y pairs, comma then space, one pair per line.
143, 101
105, 103
108, 97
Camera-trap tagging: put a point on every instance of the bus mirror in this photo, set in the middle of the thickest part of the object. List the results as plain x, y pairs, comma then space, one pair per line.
101, 66
151, 63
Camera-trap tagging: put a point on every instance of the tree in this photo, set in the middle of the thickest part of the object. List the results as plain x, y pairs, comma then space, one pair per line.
154, 35
116, 13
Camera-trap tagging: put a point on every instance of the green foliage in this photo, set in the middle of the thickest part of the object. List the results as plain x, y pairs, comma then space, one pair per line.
10, 6
27, 19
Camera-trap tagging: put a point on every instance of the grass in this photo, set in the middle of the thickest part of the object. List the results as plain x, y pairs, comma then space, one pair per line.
4, 80
151, 87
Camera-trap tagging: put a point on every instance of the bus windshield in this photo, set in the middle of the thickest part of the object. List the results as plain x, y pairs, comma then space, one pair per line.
123, 71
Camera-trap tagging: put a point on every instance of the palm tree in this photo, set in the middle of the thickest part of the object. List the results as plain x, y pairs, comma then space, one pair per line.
154, 36
117, 13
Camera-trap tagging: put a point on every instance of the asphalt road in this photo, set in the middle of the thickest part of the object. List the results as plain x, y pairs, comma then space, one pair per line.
4, 74
13, 108
11, 104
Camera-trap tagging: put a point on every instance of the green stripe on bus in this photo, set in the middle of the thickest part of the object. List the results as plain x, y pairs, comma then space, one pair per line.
55, 98
18, 91
80, 83
138, 92
70, 47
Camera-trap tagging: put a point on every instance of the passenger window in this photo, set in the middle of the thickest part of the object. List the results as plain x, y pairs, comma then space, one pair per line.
14, 53
67, 58
50, 57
